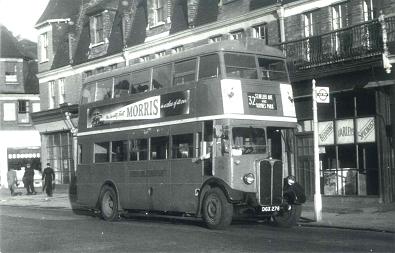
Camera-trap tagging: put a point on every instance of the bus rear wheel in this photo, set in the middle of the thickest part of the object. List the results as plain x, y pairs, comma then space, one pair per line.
217, 211
288, 218
109, 204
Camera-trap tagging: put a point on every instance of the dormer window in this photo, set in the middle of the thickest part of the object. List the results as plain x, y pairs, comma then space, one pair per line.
159, 11
44, 47
97, 26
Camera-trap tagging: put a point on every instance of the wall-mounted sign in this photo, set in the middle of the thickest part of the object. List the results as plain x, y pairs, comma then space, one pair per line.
171, 104
345, 131
366, 130
326, 135
262, 101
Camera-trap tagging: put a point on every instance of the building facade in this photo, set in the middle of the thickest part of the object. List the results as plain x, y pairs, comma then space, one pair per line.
346, 45
19, 97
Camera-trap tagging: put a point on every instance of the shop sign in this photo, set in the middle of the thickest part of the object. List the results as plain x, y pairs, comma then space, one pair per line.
176, 103
326, 135
366, 129
345, 131
262, 101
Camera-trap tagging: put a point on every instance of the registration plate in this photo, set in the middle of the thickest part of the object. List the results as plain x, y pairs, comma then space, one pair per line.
270, 208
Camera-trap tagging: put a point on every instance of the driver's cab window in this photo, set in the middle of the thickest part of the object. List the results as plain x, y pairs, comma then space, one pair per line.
248, 140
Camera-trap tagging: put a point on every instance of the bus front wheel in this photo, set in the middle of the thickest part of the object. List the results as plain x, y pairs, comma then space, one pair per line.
109, 204
217, 211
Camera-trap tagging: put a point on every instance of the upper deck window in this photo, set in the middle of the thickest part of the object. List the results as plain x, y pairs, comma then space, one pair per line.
140, 81
209, 66
272, 69
240, 66
121, 86
104, 89
88, 93
161, 77
184, 72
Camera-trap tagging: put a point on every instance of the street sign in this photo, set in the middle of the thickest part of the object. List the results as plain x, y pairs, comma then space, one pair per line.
322, 94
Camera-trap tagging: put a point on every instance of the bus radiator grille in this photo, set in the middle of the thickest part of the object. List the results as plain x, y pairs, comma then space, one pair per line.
270, 183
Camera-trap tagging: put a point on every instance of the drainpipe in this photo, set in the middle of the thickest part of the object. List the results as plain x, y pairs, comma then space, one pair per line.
280, 13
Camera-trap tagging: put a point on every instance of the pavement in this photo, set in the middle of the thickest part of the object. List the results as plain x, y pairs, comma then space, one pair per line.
360, 215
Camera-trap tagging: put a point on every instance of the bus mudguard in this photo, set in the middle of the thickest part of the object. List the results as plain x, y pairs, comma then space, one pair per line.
233, 196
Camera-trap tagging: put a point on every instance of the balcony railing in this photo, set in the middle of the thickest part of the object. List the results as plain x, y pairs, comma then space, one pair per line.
349, 44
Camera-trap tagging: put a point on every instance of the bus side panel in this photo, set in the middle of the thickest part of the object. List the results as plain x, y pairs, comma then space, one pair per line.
87, 194
186, 177
116, 173
158, 176
136, 182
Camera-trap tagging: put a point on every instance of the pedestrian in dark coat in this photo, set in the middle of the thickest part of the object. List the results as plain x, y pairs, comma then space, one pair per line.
48, 177
28, 178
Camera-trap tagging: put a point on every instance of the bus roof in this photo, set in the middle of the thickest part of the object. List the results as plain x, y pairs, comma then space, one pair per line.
249, 45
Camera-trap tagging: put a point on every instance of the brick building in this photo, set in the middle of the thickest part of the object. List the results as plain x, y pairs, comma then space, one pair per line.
346, 45
19, 97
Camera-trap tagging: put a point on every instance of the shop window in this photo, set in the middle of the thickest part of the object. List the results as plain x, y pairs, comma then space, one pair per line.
119, 151
366, 104
161, 77
182, 146
184, 72
101, 152
140, 81
209, 66
159, 147
138, 150
345, 106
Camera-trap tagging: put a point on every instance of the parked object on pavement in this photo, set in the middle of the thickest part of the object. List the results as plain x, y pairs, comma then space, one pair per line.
11, 180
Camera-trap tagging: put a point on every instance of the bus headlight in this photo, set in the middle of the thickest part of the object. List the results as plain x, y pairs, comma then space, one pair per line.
249, 178
291, 180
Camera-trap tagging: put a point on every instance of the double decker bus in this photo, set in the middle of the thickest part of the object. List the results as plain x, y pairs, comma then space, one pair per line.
198, 133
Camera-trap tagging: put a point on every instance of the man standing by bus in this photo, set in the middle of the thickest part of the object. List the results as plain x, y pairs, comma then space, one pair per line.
48, 177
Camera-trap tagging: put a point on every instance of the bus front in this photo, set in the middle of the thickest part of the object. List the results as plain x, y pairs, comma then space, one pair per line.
252, 140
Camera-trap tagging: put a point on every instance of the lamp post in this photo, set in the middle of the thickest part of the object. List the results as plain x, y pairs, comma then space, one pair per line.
317, 179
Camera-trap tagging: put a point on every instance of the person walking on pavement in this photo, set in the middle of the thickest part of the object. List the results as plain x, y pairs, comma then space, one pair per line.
28, 178
48, 177
12, 180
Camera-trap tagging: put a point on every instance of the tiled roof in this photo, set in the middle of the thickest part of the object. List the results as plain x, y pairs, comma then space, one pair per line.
256, 4
207, 12
59, 9
61, 57
140, 20
179, 16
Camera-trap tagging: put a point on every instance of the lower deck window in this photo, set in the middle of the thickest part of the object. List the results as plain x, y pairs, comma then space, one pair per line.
119, 151
138, 150
159, 148
183, 146
101, 152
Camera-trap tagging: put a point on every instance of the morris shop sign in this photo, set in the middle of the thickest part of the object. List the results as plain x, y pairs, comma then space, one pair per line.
176, 103
346, 132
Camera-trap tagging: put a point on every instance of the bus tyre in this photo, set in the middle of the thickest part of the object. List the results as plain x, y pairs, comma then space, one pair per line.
217, 211
288, 218
109, 204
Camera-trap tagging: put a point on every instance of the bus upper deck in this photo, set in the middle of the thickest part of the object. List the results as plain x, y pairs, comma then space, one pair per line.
228, 79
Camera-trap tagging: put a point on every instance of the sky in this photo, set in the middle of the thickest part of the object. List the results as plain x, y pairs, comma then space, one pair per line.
20, 16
